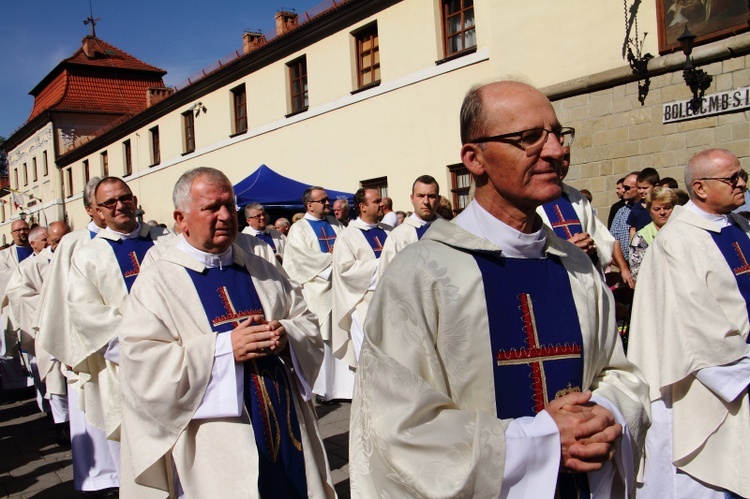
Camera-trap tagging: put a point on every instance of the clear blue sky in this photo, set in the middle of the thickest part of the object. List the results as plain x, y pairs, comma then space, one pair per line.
179, 36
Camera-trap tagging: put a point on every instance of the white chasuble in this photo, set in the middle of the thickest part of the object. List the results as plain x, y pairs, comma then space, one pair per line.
689, 316
424, 417
167, 357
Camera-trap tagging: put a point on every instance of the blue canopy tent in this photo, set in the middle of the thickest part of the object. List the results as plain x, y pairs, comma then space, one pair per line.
277, 192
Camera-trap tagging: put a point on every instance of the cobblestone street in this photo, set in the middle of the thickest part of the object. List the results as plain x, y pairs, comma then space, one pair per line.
33, 465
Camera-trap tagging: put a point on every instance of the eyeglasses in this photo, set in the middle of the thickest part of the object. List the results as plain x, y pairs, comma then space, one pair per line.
26, 229
532, 140
321, 201
732, 181
258, 216
626, 188
110, 204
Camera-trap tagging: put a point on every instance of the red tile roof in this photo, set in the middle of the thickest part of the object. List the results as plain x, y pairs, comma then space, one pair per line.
110, 82
109, 56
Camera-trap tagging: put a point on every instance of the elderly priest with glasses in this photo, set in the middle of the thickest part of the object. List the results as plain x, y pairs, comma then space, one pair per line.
491, 365
218, 353
689, 336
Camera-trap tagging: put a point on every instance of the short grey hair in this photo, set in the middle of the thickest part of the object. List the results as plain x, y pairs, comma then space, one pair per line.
282, 221
181, 192
36, 232
253, 206
89, 191
699, 166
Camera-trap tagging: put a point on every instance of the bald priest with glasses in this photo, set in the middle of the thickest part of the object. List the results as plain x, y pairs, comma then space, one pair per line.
491, 366
689, 336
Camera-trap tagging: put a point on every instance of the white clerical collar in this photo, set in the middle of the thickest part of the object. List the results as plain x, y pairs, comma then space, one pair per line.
365, 224
310, 216
130, 235
252, 231
512, 242
93, 227
210, 260
722, 220
419, 221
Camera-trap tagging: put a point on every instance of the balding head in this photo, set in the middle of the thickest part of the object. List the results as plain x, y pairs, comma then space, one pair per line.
56, 232
512, 146
38, 238
715, 181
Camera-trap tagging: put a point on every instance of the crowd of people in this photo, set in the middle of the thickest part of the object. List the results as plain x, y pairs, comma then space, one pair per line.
481, 354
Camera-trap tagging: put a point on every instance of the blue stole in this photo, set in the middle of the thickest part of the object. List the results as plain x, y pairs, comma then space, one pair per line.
537, 347
129, 254
267, 238
563, 217
325, 234
375, 238
23, 252
421, 230
228, 297
735, 246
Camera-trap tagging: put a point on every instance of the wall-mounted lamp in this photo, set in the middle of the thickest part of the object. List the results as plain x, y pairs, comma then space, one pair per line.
697, 79
197, 108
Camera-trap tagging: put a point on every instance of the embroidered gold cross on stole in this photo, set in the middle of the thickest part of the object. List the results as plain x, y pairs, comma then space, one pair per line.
535, 354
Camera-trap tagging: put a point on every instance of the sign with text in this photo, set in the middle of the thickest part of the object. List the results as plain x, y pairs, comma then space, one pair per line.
719, 103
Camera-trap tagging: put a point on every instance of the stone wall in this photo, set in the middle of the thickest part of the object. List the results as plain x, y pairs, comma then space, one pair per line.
616, 135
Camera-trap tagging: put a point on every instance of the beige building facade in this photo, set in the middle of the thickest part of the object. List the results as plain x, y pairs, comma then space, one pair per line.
369, 91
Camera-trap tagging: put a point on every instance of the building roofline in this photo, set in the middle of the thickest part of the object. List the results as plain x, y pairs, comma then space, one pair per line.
276, 49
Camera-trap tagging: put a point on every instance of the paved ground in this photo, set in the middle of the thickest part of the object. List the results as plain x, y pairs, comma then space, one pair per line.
32, 465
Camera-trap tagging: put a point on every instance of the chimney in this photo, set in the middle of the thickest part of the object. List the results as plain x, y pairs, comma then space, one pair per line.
88, 46
251, 40
286, 21
157, 94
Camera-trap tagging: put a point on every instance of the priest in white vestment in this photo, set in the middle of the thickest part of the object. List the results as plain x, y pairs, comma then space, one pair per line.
355, 273
689, 335
308, 260
15, 292
101, 274
217, 347
491, 365
425, 198
11, 371
257, 226
95, 459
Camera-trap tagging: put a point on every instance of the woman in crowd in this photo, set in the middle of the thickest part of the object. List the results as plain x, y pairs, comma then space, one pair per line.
660, 204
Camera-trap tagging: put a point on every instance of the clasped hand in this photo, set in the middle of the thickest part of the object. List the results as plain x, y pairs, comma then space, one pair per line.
256, 337
587, 432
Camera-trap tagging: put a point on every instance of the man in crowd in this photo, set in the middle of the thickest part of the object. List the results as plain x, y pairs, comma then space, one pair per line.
355, 273
282, 225
472, 375
389, 216
425, 197
10, 366
257, 225
95, 463
618, 204
689, 337
341, 211
101, 274
620, 228
639, 216
12, 302
309, 261
572, 218
215, 368
30, 278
